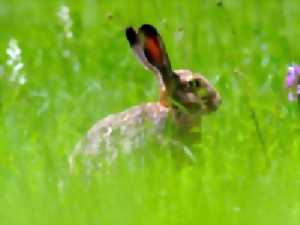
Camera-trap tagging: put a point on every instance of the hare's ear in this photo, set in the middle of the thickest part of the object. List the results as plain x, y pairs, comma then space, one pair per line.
136, 46
154, 49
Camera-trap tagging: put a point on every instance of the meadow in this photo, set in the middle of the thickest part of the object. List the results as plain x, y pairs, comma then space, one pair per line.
64, 68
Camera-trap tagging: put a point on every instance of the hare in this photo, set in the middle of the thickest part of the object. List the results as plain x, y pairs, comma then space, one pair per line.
184, 98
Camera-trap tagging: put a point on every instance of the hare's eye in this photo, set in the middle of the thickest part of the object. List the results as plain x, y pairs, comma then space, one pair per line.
194, 83
190, 83
197, 83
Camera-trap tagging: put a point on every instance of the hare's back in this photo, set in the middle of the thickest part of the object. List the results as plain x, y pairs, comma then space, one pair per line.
135, 116
122, 131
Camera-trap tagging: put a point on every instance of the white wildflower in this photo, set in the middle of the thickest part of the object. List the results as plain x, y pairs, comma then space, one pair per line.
13, 50
65, 20
14, 63
22, 80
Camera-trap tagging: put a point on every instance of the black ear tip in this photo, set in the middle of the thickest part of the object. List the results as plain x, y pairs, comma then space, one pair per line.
131, 35
148, 29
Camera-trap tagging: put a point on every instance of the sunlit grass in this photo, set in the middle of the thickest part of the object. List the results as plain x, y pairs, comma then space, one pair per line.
247, 170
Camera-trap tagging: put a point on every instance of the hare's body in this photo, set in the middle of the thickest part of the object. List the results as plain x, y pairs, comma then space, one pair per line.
122, 132
184, 98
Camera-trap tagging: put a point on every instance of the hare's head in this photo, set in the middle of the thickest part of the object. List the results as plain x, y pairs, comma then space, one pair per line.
189, 95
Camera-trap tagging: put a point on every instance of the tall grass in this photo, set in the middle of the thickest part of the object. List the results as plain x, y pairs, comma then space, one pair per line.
247, 170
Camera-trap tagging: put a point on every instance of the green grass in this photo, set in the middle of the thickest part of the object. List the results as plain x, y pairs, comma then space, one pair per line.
248, 168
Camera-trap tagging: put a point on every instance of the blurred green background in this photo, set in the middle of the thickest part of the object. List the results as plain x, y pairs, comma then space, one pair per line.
78, 68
